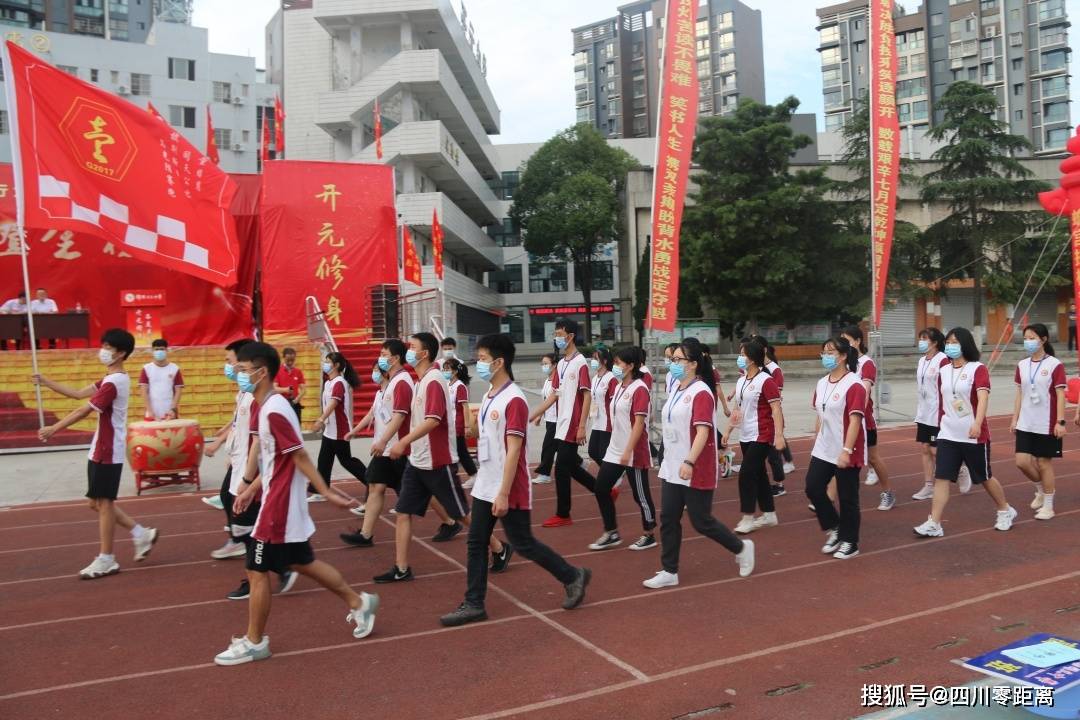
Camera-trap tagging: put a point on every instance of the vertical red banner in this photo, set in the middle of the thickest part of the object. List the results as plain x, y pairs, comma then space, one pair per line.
676, 126
884, 145
328, 231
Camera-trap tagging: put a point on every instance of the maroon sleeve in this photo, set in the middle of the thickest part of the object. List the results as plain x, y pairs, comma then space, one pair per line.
1058, 378
253, 423
981, 380
338, 392
703, 409
855, 403
402, 397
103, 399
555, 377
178, 379
435, 404
869, 371
639, 404
778, 378
770, 391
517, 417
583, 383
144, 379
285, 438
462, 394
1016, 379
944, 361
647, 379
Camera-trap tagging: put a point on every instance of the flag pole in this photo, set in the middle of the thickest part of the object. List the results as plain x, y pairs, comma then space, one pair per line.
30, 321
876, 351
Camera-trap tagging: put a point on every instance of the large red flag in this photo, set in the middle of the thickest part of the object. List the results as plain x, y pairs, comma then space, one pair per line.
413, 272
378, 131
211, 143
88, 161
279, 127
437, 242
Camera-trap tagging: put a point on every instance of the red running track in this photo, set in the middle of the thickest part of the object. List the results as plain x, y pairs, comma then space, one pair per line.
798, 639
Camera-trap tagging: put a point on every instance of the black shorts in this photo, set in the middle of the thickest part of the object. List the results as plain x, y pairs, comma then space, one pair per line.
102, 481
598, 445
384, 471
242, 525
419, 486
926, 434
951, 455
871, 438
279, 557
1037, 444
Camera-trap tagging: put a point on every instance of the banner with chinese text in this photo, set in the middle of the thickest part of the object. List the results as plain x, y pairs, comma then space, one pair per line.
884, 145
676, 127
327, 230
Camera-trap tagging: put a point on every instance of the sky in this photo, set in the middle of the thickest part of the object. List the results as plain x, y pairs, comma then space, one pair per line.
528, 47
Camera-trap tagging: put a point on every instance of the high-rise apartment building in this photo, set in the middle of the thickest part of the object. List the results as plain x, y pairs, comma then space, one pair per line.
1017, 48
617, 64
110, 19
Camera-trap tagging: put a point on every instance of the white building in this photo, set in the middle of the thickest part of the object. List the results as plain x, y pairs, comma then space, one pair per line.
176, 72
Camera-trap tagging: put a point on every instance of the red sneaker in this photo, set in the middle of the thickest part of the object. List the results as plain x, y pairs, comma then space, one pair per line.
555, 521
614, 494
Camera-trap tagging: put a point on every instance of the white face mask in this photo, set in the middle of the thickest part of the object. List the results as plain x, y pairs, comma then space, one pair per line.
106, 356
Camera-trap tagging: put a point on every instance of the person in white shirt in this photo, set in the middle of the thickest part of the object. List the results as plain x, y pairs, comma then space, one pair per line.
160, 384
15, 305
1039, 416
931, 344
42, 303
551, 417
336, 419
603, 387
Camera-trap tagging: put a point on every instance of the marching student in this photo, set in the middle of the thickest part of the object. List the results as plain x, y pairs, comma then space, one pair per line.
627, 453
279, 468
931, 345
603, 388
963, 433
448, 348
867, 372
760, 420
160, 384
571, 384
689, 471
839, 451
781, 461
457, 374
224, 436
550, 417
108, 398
1039, 416
336, 418
502, 488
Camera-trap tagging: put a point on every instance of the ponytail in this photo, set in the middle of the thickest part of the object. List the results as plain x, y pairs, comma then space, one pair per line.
696, 351
755, 350
846, 350
632, 357
855, 332
347, 370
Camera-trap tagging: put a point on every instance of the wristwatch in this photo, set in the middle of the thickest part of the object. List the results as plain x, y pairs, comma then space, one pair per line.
1061, 422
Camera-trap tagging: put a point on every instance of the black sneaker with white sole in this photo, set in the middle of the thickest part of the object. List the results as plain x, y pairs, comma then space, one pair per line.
778, 490
447, 532
501, 561
607, 541
394, 575
643, 543
465, 613
847, 550
242, 592
357, 539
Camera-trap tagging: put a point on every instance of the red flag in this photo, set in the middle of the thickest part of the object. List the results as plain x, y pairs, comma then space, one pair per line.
211, 144
884, 145
378, 131
279, 127
437, 242
412, 261
88, 161
154, 111
264, 151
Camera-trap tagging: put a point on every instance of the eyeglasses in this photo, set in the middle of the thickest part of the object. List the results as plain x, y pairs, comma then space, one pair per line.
679, 359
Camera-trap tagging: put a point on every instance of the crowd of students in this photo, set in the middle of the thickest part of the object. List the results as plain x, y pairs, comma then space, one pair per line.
420, 420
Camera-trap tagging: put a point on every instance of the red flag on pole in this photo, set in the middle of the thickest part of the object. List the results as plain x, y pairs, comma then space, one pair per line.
211, 143
264, 151
279, 127
378, 131
88, 161
437, 242
412, 261
154, 111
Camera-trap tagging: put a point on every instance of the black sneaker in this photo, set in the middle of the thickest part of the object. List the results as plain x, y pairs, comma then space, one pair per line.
847, 550
394, 575
607, 541
643, 543
240, 593
357, 539
288, 579
501, 561
778, 490
575, 590
447, 532
465, 613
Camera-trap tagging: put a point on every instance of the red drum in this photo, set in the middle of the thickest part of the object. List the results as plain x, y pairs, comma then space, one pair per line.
165, 453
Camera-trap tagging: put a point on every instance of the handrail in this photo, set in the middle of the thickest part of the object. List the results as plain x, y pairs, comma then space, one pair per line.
318, 331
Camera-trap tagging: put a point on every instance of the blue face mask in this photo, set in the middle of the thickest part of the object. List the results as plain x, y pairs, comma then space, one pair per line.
326, 368
384, 364
667, 362
159, 355
924, 346
741, 362
545, 369
243, 379
829, 362
618, 372
483, 370
561, 342
410, 357
448, 375
678, 370
230, 371
953, 350
1032, 346
376, 377
594, 364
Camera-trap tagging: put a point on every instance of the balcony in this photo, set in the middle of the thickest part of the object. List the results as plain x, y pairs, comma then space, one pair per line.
463, 237
458, 288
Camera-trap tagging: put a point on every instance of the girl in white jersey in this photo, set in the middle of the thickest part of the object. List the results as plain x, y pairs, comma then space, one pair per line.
1039, 416
931, 345
867, 372
963, 433
603, 387
547, 449
457, 374
336, 419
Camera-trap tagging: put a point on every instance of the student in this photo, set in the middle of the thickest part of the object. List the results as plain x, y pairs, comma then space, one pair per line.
646, 373
669, 384
571, 384
867, 372
290, 382
109, 399
760, 420
278, 468
448, 349
457, 374
780, 461
336, 418
160, 384
551, 417
603, 388
931, 344
627, 453
502, 487
963, 434
1039, 416
690, 468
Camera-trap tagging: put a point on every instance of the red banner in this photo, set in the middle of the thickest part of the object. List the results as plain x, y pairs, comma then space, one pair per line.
328, 230
211, 144
413, 271
437, 243
677, 124
884, 145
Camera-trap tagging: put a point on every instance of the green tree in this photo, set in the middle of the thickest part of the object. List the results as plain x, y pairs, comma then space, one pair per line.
568, 203
978, 174
761, 242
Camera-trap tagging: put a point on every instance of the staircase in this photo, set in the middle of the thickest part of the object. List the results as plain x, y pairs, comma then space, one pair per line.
19, 426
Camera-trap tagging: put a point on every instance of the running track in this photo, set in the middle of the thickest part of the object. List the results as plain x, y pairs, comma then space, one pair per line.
798, 639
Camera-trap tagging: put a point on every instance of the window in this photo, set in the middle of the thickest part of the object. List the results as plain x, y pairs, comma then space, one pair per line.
831, 77
834, 122
1050, 9
4, 123
244, 89
1018, 115
727, 62
1052, 35
93, 75
603, 275
725, 41
833, 99
1057, 137
639, 86
545, 277
505, 234
902, 65
918, 63
581, 58
1018, 89
507, 280
1055, 59
936, 19
986, 49
1055, 86
181, 69
140, 84
69, 69
1016, 39
245, 136
222, 92
830, 56
702, 28
581, 76
581, 95
985, 5
904, 112
703, 47
1056, 112
830, 34
727, 82
114, 76
223, 138
919, 110
725, 20
910, 88
181, 116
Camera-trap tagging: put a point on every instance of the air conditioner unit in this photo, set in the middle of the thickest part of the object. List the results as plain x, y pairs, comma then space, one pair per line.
122, 90
238, 100
238, 147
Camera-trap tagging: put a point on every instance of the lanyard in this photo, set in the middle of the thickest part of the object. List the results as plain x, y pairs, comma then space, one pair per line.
745, 382
675, 398
619, 392
925, 368
491, 399
828, 391
1034, 372
566, 367
955, 378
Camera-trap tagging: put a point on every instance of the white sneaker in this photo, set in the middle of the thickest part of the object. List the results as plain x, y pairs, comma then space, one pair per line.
358, 510
144, 544
789, 467
241, 650
925, 493
1038, 501
832, 542
364, 616
315, 497
766, 520
541, 480
662, 579
1046, 512
393, 511
745, 559
229, 550
467, 485
214, 501
929, 529
736, 468
746, 525
871, 477
1005, 519
846, 551
963, 480
99, 568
